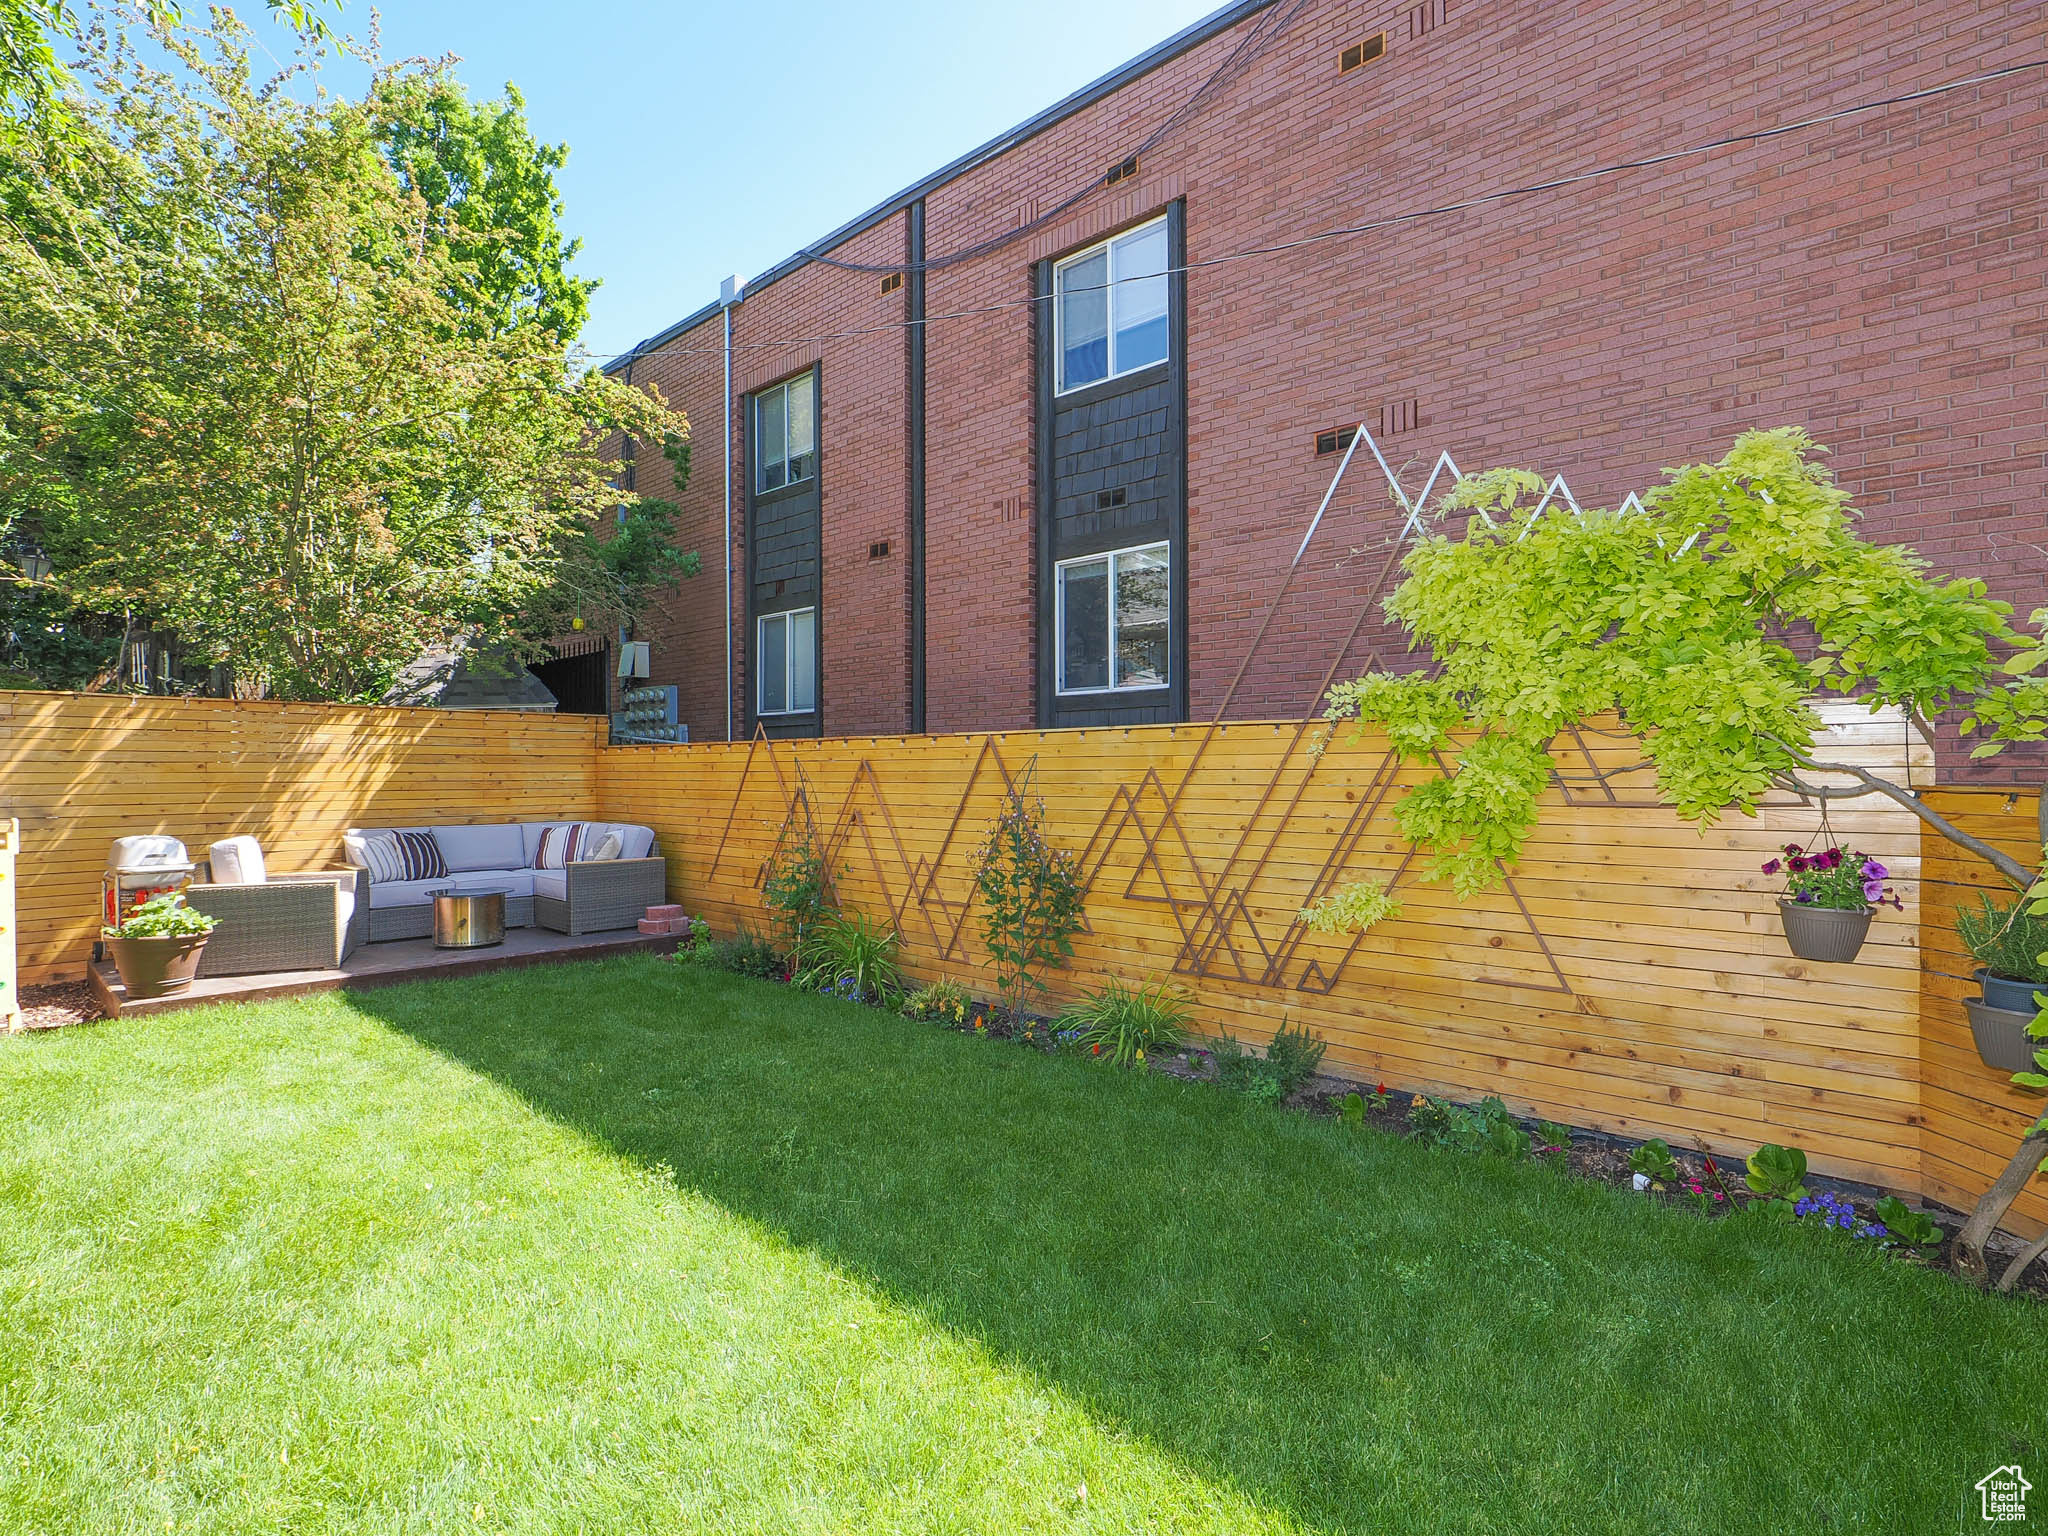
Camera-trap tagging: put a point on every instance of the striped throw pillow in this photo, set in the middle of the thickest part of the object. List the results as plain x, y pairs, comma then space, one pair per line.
381, 857
423, 859
560, 845
404, 856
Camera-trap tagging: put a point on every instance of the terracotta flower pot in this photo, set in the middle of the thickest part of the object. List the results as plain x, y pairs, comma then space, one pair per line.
1831, 934
157, 967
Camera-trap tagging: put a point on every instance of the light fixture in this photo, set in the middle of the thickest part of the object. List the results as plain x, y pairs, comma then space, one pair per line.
35, 565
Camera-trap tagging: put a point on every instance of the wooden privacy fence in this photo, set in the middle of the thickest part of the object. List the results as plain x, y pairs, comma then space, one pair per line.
79, 770
1631, 976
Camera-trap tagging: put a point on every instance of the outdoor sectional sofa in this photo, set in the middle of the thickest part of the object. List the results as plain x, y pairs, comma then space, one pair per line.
582, 895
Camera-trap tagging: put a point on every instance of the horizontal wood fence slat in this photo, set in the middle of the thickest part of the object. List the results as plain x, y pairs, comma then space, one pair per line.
1632, 977
79, 770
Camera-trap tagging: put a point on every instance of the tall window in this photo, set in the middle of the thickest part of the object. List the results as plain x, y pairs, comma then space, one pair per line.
1112, 620
786, 662
1109, 307
785, 434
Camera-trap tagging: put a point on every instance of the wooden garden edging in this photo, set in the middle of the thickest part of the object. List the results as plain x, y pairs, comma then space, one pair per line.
1632, 978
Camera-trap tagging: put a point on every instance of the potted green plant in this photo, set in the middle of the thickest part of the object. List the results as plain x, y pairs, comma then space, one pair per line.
156, 948
1830, 897
2010, 946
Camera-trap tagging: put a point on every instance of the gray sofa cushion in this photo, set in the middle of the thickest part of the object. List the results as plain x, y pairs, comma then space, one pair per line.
417, 893
486, 847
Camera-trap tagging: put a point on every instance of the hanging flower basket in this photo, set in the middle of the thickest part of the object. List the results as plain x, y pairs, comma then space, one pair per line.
1830, 934
2001, 1036
1830, 897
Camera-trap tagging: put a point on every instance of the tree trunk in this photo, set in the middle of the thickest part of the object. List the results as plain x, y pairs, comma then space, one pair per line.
1969, 1258
2018, 1267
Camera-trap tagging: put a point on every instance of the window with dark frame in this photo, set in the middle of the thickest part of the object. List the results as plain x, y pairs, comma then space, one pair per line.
1113, 619
786, 662
785, 434
1110, 307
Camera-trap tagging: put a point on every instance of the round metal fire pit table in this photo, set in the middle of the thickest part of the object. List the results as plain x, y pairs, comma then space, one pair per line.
468, 919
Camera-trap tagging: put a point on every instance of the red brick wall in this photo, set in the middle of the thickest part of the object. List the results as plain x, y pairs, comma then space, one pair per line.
1878, 280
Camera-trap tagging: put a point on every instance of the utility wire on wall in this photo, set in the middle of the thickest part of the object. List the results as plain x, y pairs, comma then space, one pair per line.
1439, 210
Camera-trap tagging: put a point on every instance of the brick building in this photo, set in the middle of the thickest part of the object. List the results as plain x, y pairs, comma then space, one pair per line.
1034, 442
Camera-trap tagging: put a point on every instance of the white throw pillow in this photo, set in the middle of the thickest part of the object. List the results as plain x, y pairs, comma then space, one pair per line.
237, 861
606, 850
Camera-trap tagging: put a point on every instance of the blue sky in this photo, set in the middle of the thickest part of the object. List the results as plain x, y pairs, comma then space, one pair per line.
706, 140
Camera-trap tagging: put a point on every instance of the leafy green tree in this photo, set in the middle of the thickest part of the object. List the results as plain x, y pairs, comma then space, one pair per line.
480, 169
239, 395
1686, 620
32, 78
1707, 622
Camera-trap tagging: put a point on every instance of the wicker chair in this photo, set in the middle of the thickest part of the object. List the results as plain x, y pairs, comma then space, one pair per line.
597, 896
307, 921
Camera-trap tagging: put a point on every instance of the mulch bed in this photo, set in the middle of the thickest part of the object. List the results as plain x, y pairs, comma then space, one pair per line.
54, 1006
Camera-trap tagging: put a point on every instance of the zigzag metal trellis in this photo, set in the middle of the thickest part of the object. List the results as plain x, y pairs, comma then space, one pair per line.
1219, 934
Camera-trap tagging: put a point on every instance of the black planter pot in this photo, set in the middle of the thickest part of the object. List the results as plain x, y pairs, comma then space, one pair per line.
2003, 992
1831, 934
2001, 1036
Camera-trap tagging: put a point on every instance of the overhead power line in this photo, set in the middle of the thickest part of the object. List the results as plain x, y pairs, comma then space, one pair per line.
1390, 221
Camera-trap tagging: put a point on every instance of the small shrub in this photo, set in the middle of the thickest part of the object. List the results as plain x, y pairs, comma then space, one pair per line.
1907, 1227
1351, 1110
797, 890
1553, 1143
1653, 1160
942, 1002
1483, 1127
1777, 1173
1501, 1137
1030, 897
853, 957
746, 953
164, 917
2008, 940
1121, 1023
693, 944
1430, 1120
1292, 1056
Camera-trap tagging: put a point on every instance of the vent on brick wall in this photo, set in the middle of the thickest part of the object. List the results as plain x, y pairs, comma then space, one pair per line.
1104, 500
892, 282
1123, 170
1335, 440
1426, 18
1011, 508
1397, 416
879, 550
1361, 53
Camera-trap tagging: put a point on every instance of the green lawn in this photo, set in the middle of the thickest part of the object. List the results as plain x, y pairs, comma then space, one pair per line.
620, 1247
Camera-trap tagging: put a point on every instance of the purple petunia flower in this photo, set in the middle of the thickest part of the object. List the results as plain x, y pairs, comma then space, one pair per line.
1873, 890
1872, 870
1799, 865
1771, 867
